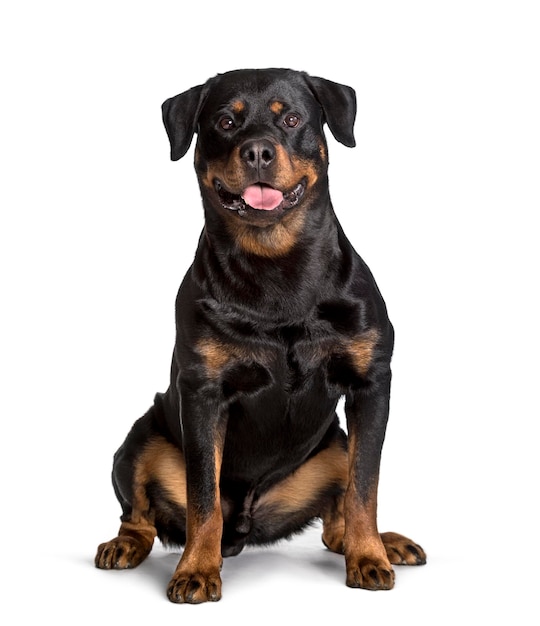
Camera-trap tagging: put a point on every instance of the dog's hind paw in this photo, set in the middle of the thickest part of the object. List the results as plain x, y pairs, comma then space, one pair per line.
121, 553
402, 551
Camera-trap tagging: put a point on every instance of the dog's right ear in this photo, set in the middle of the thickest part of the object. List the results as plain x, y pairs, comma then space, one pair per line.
181, 116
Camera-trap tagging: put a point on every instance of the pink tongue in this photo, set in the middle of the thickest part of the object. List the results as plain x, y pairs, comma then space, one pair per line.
262, 197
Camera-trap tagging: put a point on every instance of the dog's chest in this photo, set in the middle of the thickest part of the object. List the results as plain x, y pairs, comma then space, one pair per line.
290, 359
282, 403
281, 383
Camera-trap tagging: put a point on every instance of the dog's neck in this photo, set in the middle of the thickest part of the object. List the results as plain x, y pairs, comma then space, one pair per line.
278, 267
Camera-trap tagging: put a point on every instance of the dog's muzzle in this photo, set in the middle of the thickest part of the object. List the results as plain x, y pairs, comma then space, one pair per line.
260, 197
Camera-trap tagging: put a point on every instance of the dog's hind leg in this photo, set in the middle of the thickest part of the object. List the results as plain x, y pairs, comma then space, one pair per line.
307, 494
317, 489
137, 531
137, 464
400, 550
132, 545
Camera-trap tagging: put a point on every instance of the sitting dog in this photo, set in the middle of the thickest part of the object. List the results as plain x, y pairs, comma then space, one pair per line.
276, 320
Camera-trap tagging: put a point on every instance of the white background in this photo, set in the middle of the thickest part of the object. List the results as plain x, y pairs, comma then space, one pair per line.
98, 228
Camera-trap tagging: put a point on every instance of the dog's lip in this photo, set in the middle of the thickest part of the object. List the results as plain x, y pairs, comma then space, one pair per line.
235, 202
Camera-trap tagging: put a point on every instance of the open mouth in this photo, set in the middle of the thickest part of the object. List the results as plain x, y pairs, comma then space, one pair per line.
260, 197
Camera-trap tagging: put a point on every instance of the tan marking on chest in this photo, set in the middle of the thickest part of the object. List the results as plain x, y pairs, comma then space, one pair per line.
361, 349
217, 355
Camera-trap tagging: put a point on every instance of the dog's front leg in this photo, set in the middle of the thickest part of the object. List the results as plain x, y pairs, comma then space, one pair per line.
197, 577
365, 556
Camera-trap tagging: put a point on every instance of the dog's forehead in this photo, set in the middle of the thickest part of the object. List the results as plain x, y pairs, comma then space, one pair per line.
258, 87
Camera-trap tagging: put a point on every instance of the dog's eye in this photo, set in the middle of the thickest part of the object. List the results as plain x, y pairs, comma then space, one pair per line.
291, 120
226, 123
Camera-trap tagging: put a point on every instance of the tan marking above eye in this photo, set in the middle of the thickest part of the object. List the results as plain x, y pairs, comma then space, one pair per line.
276, 107
238, 106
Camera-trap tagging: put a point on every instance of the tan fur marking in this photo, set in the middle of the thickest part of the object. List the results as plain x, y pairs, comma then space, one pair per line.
361, 534
203, 547
334, 527
158, 460
215, 355
276, 107
140, 514
361, 350
292, 169
218, 458
238, 106
163, 462
362, 542
273, 241
143, 531
228, 170
300, 488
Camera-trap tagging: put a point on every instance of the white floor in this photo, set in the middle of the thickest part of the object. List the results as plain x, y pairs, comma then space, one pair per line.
297, 578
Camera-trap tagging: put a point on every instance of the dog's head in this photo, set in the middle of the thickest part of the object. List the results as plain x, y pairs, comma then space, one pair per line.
261, 150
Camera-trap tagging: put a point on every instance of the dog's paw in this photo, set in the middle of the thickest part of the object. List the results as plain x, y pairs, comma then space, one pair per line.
333, 540
121, 553
370, 573
402, 551
194, 587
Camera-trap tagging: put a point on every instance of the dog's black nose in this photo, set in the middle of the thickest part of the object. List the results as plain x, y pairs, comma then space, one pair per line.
258, 154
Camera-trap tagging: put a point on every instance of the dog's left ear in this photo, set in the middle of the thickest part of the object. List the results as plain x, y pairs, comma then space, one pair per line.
180, 116
339, 105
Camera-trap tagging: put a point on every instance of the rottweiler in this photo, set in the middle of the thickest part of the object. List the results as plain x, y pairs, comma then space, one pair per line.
277, 319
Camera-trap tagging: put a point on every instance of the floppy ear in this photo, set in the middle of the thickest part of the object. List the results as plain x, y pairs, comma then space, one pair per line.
180, 116
339, 105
